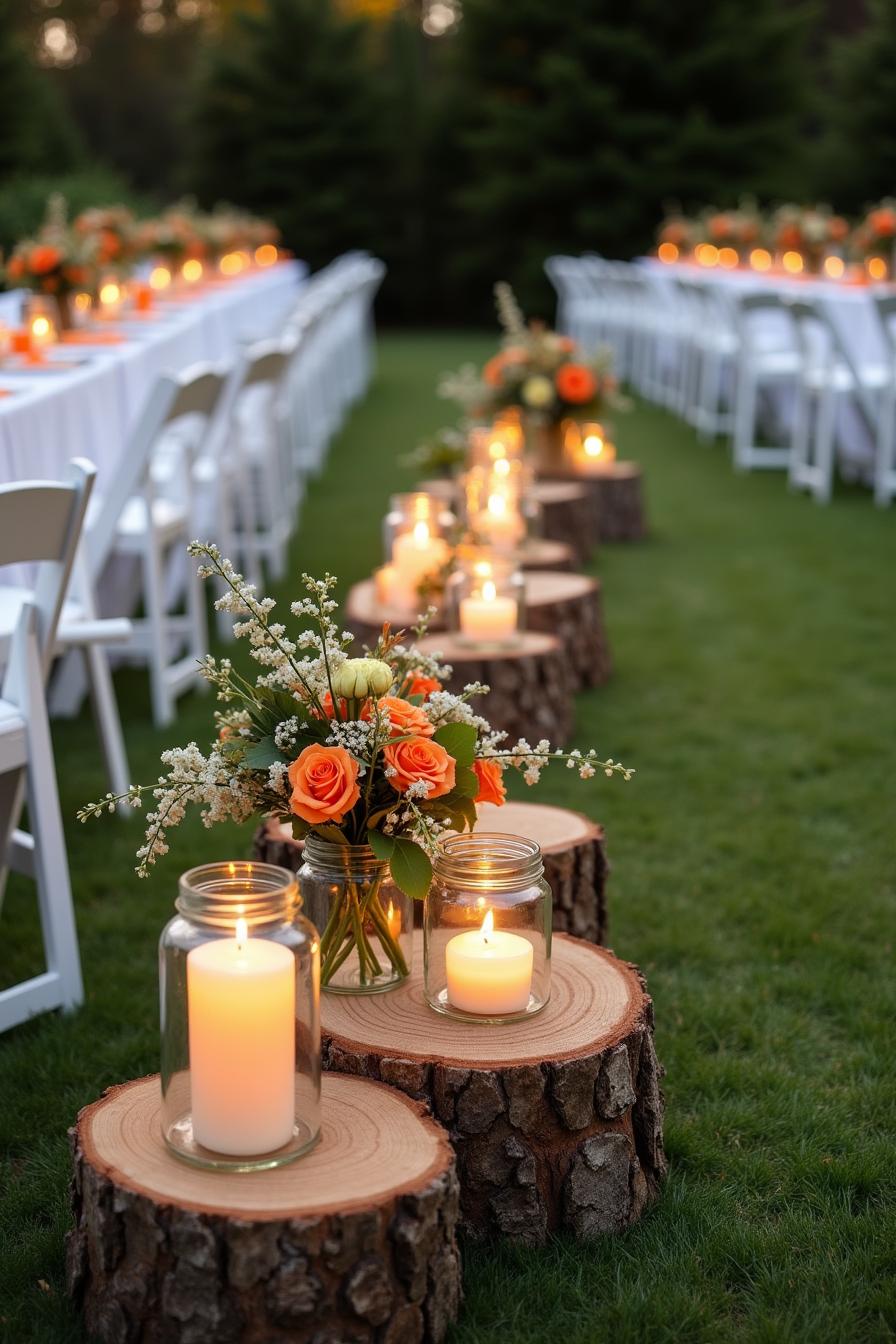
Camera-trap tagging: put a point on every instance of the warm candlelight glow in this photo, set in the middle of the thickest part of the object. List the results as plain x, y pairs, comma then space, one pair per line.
82, 302
502, 467
488, 925
792, 263
232, 263
489, 973
393, 921
592, 445
192, 271
242, 933
265, 255
877, 268
707, 254
667, 252
760, 259
421, 533
728, 258
834, 267
42, 329
485, 617
110, 294
160, 277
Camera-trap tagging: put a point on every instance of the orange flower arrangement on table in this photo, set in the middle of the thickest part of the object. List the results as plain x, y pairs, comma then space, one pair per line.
875, 239
368, 751
808, 234
57, 262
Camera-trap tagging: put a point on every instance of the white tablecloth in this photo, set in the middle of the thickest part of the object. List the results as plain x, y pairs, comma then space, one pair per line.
849, 307
89, 409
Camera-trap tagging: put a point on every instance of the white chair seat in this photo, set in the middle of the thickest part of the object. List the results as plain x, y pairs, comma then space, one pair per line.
13, 742
169, 519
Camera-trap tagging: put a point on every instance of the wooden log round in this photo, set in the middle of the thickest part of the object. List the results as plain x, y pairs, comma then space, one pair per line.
354, 1243
575, 863
618, 495
566, 605
531, 683
570, 606
567, 514
542, 553
556, 1121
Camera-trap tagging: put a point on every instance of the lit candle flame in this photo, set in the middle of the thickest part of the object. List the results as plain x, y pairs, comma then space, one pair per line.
110, 293
834, 267
497, 505
483, 569
502, 467
593, 445
489, 591
192, 271
40, 327
421, 534
242, 933
266, 255
159, 277
488, 925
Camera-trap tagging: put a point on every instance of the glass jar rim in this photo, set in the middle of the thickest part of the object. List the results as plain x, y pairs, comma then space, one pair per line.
489, 861
223, 892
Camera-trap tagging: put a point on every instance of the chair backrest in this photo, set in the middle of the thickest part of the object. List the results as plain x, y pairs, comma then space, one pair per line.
823, 347
763, 323
41, 523
174, 397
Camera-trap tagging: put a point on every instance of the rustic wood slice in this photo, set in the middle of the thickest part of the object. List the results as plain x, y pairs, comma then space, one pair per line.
541, 553
575, 861
570, 607
567, 514
556, 1121
532, 685
566, 605
354, 1242
618, 495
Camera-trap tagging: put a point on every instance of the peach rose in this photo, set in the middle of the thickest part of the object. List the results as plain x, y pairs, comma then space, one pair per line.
491, 783
424, 686
407, 720
418, 758
324, 784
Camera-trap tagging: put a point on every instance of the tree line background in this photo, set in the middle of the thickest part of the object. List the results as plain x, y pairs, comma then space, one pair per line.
461, 140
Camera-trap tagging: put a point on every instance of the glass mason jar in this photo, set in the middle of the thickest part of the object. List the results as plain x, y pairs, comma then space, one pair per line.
408, 510
487, 598
500, 441
495, 503
368, 924
588, 446
239, 985
487, 929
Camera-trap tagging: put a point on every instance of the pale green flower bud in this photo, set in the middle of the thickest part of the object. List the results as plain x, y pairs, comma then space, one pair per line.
538, 391
358, 678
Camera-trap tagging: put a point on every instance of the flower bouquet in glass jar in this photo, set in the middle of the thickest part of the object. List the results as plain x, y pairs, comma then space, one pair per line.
370, 759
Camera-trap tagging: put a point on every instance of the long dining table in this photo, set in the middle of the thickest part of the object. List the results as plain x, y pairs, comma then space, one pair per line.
85, 397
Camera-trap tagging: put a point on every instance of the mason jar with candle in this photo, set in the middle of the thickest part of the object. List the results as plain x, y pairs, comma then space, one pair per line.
239, 983
366, 921
494, 504
486, 598
407, 510
498, 442
589, 447
487, 929
42, 318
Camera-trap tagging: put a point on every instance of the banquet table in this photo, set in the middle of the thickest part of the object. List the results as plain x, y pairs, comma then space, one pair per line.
849, 307
85, 399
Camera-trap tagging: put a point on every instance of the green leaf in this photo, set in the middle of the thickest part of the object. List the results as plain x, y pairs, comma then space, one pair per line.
383, 846
264, 753
459, 740
465, 782
410, 867
331, 833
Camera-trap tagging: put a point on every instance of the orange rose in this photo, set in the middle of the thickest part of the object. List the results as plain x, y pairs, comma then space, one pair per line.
720, 227
418, 758
493, 371
575, 383
424, 686
44, 258
838, 228
407, 720
491, 783
883, 222
324, 784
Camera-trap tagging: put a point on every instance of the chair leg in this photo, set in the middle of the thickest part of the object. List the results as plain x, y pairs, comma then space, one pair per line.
885, 457
824, 453
158, 653
108, 720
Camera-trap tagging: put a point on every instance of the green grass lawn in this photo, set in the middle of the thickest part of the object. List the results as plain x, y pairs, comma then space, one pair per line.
753, 881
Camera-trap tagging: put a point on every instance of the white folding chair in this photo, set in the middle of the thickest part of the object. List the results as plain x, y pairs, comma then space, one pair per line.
885, 455
148, 514
768, 366
828, 374
40, 523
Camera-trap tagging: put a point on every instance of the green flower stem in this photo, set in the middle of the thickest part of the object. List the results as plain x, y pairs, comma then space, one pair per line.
390, 944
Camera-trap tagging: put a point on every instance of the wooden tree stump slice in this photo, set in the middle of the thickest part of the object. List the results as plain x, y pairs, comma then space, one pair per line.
575, 861
556, 1121
531, 683
541, 553
618, 495
354, 1242
567, 514
570, 607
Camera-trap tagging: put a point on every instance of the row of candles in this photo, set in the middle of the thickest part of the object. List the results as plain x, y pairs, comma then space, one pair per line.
482, 579
116, 296
761, 260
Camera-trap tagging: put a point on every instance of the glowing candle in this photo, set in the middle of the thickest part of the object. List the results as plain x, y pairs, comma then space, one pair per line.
834, 267
110, 298
192, 271
487, 617
159, 278
415, 555
489, 972
43, 331
668, 253
266, 255
760, 259
792, 263
393, 921
241, 1008
500, 520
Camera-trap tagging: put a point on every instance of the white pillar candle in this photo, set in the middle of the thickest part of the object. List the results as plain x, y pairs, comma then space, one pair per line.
241, 997
500, 520
415, 556
488, 617
489, 971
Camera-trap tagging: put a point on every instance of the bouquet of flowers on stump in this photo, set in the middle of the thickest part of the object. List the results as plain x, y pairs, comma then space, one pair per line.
364, 754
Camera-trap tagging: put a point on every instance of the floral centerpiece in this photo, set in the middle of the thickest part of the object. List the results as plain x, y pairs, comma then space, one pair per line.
364, 753
677, 236
738, 230
876, 235
543, 374
810, 231
112, 233
176, 235
57, 262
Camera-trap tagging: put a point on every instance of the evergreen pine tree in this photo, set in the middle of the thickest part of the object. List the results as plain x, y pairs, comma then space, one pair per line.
857, 159
289, 125
587, 116
34, 134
